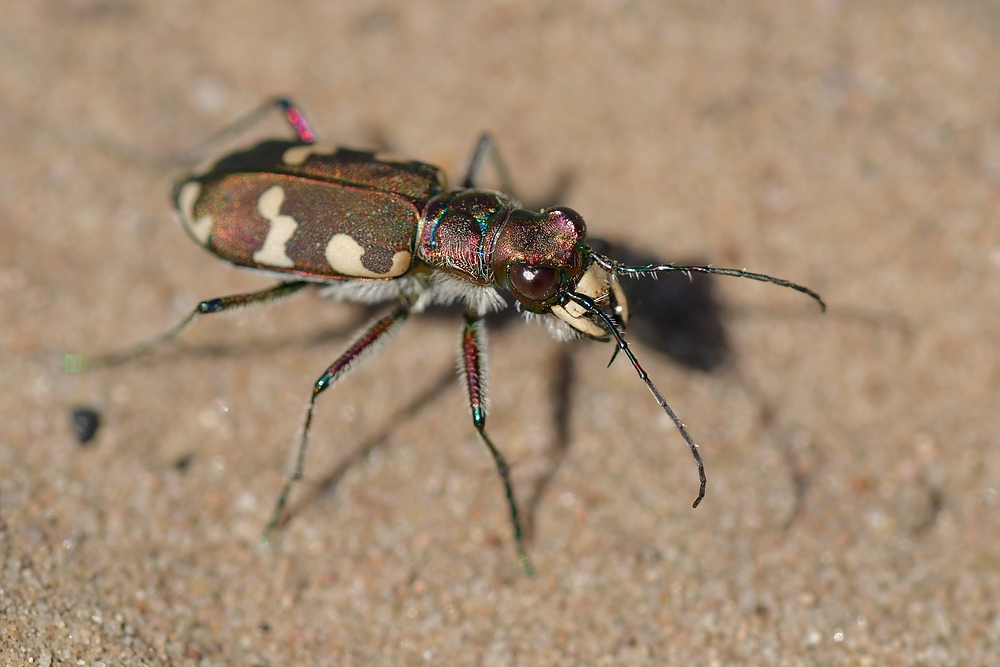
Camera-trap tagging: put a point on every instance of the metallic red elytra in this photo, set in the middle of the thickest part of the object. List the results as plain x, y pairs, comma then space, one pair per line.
371, 229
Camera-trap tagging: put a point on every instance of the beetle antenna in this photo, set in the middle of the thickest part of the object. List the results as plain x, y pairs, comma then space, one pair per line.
592, 308
633, 271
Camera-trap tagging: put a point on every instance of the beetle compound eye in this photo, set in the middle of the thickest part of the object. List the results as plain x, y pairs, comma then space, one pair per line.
537, 283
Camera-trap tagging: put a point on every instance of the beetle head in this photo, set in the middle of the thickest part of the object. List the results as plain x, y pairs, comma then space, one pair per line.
539, 254
541, 257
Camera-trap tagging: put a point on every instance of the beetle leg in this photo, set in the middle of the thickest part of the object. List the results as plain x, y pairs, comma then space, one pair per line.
217, 305
487, 146
289, 110
296, 119
473, 368
370, 338
287, 107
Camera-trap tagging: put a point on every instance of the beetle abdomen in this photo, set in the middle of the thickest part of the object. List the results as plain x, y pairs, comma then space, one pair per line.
284, 223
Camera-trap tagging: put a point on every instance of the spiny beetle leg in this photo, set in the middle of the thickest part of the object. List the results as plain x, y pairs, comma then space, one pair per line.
472, 365
209, 307
487, 146
372, 336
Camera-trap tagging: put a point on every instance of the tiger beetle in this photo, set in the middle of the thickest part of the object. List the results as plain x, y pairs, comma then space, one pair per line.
369, 229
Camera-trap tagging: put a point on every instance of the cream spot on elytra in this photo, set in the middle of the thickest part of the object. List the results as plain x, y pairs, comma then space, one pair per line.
344, 255
202, 227
185, 202
392, 157
296, 155
273, 253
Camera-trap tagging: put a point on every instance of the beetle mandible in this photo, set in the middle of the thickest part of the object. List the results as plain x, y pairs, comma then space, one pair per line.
369, 229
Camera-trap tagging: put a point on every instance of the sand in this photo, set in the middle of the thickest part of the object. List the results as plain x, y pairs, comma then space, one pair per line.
852, 513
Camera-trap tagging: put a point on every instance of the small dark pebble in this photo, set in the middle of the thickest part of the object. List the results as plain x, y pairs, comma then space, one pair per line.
184, 462
85, 423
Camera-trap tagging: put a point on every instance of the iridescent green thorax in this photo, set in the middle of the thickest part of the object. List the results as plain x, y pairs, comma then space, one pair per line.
459, 230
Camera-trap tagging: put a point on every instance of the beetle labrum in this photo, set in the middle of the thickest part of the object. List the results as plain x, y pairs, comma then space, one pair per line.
370, 229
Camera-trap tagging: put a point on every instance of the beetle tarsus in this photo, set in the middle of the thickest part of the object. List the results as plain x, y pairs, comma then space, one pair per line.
473, 368
504, 471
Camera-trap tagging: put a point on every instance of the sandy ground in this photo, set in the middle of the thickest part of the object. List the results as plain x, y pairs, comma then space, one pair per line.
852, 514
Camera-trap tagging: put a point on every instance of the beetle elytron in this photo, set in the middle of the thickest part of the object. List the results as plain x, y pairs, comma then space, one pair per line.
371, 229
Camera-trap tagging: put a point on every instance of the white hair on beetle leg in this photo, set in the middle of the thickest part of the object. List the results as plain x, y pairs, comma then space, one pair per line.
374, 346
482, 346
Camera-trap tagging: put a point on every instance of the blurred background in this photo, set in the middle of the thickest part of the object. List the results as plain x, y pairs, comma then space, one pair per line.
852, 512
